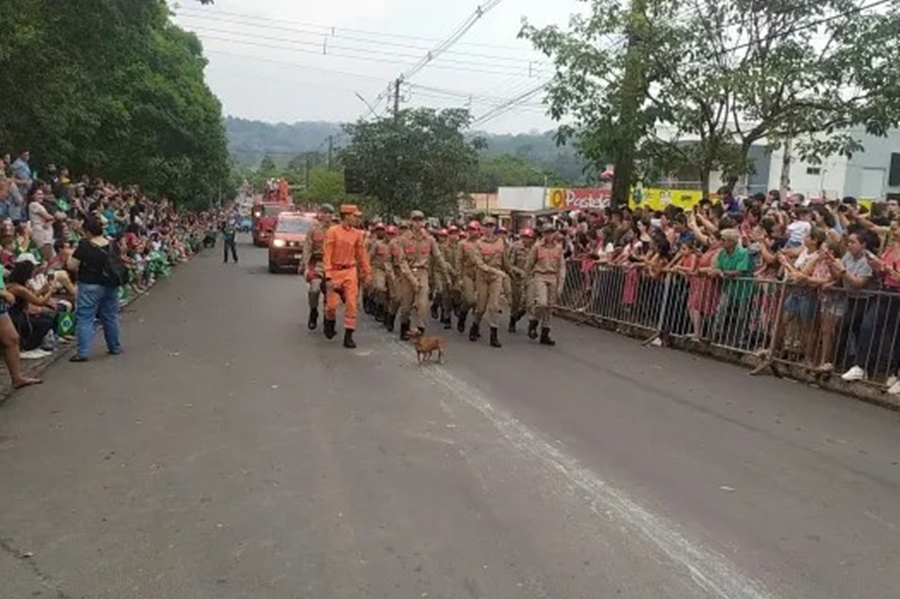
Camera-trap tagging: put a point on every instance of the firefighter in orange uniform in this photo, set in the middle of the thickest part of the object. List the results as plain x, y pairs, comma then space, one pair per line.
311, 263
345, 256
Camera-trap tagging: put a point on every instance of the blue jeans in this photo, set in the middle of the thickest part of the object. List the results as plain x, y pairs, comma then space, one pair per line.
93, 302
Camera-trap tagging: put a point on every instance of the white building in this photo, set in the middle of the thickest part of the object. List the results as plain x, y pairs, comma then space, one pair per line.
871, 174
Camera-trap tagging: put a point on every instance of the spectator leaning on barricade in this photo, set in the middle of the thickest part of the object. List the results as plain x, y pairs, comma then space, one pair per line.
812, 282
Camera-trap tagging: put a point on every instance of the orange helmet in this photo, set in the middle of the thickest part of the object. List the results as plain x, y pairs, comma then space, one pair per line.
391, 230
442, 232
378, 227
452, 229
474, 225
527, 232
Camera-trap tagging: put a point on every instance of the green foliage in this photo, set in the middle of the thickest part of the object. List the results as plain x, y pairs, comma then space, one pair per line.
114, 89
421, 160
324, 185
511, 171
725, 75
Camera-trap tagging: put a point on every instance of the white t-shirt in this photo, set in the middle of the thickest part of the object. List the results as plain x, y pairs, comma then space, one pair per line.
41, 224
798, 231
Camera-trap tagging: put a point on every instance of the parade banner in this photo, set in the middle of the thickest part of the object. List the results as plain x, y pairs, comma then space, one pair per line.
577, 198
591, 198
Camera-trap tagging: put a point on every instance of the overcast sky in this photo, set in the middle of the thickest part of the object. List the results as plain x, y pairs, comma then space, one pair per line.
266, 59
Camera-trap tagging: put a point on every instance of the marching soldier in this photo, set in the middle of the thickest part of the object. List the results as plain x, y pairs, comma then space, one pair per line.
466, 268
312, 267
396, 235
380, 260
489, 255
344, 259
517, 257
438, 283
419, 253
547, 270
450, 297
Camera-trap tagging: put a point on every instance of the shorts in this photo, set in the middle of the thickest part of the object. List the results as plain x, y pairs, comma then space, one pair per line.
801, 304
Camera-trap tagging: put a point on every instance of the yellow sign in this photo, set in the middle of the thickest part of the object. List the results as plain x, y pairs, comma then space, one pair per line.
658, 199
557, 198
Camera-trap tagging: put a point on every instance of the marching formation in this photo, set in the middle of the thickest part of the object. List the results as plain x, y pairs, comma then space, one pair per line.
408, 273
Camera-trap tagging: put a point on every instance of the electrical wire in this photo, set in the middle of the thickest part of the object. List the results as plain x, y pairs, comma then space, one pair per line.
330, 29
327, 36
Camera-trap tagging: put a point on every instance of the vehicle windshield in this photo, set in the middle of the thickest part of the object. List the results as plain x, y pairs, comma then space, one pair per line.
271, 210
294, 225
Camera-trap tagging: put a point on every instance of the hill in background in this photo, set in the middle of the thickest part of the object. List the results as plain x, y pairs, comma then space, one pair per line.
249, 141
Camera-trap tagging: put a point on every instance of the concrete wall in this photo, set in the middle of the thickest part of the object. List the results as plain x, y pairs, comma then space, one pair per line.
520, 198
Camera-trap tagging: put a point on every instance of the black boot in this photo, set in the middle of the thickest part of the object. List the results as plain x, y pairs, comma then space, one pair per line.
404, 331
448, 324
349, 343
512, 324
532, 329
313, 319
434, 310
461, 322
545, 337
379, 313
495, 340
389, 320
474, 332
330, 329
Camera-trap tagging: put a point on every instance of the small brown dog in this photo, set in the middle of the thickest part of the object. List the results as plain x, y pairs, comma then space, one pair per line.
426, 346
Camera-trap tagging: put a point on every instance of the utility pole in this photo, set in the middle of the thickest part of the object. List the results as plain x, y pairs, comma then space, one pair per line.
784, 181
308, 166
634, 88
330, 149
395, 193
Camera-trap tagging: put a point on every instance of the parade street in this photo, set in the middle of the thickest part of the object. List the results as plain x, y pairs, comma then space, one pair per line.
231, 453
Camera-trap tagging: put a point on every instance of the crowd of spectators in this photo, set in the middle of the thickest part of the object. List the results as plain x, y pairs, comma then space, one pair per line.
73, 249
808, 281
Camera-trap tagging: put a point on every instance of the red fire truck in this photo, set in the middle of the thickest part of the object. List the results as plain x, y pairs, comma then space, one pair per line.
266, 209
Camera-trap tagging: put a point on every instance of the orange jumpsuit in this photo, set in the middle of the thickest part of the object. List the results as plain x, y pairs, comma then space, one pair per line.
345, 256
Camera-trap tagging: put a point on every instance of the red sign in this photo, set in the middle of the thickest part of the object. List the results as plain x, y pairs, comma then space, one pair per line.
578, 198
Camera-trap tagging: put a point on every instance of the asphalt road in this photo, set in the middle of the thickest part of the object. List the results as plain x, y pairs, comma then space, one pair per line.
229, 453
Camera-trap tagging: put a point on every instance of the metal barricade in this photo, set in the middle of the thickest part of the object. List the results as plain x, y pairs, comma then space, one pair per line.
835, 330
616, 295
815, 332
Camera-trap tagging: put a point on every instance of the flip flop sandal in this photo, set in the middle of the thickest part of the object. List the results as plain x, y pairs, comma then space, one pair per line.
28, 382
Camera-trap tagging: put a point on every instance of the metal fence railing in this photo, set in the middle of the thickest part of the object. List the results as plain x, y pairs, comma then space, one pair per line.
793, 329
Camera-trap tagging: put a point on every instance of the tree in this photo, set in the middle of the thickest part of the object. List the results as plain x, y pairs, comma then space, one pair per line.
728, 74
114, 89
497, 171
420, 160
324, 185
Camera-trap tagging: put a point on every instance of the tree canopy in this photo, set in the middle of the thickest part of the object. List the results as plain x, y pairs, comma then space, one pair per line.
725, 74
114, 89
420, 160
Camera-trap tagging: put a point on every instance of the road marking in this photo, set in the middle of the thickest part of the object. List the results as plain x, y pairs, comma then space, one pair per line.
710, 570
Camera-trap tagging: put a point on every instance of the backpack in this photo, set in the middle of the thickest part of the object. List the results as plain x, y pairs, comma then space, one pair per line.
114, 270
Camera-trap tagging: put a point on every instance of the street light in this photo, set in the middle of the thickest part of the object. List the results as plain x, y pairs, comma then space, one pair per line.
366, 102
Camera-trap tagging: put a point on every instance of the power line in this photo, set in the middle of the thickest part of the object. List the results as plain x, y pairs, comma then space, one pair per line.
327, 35
333, 30
510, 104
445, 45
449, 67
325, 49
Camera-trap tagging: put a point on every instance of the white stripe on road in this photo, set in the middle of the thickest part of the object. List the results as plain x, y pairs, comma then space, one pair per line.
710, 570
